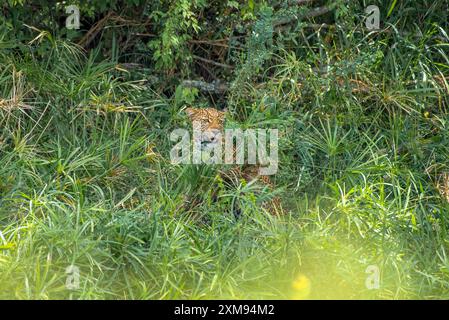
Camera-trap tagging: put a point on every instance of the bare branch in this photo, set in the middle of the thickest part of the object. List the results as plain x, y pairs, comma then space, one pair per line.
312, 14
295, 2
213, 87
218, 64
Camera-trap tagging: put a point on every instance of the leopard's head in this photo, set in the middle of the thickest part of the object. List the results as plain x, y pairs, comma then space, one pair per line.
210, 121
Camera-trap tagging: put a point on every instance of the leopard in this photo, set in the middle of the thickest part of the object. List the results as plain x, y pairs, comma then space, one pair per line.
211, 123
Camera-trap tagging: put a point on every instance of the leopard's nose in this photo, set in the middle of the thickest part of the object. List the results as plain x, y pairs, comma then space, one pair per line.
214, 134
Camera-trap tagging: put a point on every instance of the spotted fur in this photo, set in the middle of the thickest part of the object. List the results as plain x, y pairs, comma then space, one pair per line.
211, 122
208, 118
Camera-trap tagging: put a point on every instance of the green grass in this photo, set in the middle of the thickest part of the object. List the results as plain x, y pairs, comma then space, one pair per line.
85, 179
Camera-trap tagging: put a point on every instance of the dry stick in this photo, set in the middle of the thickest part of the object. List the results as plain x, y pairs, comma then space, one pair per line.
129, 22
212, 43
214, 87
301, 2
98, 26
131, 65
221, 87
92, 33
318, 26
295, 2
209, 41
144, 34
218, 64
312, 14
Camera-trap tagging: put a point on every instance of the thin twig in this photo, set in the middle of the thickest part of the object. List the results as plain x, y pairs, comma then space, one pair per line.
312, 14
214, 87
218, 64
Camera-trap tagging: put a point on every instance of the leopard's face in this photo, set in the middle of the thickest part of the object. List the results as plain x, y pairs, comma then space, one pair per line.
210, 121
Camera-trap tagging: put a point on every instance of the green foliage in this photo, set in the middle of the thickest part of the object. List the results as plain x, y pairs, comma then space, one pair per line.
178, 23
85, 172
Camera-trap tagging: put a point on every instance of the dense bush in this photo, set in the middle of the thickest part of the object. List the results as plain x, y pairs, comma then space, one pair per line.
85, 176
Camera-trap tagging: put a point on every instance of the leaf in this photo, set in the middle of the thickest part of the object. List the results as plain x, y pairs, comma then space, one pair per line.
392, 7
6, 246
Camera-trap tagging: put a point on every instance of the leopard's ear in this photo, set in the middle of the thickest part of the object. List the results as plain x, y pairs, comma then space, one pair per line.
191, 111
